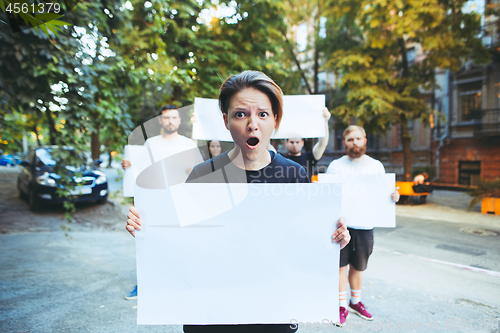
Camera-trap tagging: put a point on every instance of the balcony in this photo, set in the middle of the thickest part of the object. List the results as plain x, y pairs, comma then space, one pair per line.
486, 122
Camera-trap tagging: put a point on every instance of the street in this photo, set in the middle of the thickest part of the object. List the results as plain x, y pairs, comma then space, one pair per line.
437, 271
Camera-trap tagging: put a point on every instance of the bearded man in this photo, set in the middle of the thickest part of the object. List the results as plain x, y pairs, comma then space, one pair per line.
356, 253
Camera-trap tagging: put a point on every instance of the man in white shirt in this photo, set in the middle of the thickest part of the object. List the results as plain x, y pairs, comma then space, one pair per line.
170, 143
182, 153
357, 252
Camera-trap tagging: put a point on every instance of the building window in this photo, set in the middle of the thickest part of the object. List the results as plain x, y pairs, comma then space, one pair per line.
372, 143
497, 92
471, 99
339, 131
322, 84
469, 173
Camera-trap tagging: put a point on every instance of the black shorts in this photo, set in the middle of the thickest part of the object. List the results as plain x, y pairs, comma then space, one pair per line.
357, 252
255, 328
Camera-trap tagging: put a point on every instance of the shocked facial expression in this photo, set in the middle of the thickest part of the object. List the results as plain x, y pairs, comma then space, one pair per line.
170, 121
294, 146
251, 121
355, 144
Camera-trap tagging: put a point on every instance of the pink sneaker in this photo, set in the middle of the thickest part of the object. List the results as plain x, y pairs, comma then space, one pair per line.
360, 310
343, 316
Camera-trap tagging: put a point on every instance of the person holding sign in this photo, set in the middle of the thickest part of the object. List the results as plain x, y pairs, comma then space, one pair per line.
169, 142
252, 108
357, 252
310, 158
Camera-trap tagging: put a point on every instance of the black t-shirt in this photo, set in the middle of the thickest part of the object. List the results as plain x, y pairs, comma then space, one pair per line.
220, 169
307, 160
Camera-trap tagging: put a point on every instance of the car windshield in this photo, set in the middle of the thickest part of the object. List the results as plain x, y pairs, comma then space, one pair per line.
49, 156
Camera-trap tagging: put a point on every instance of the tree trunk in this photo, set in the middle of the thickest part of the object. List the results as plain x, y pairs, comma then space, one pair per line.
407, 155
316, 68
37, 138
405, 134
110, 159
316, 47
95, 146
177, 92
52, 127
290, 47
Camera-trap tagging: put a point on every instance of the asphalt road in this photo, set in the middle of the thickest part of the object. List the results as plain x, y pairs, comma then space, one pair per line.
55, 279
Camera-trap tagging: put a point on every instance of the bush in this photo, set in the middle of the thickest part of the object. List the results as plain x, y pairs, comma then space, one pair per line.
485, 189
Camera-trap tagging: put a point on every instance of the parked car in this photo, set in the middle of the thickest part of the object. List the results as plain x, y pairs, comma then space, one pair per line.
17, 159
42, 175
7, 159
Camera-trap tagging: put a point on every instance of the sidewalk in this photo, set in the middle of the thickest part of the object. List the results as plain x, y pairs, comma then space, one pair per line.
448, 206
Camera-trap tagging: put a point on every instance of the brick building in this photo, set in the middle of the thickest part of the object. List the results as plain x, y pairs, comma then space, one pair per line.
469, 145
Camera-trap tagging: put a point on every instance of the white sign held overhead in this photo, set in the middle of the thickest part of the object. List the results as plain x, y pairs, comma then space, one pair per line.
302, 117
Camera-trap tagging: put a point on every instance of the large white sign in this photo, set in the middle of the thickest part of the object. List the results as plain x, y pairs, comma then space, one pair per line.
302, 118
366, 200
238, 253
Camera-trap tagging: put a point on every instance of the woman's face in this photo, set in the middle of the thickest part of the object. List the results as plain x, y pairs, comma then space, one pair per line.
251, 121
215, 148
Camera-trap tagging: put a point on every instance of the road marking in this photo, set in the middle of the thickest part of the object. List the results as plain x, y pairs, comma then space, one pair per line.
469, 268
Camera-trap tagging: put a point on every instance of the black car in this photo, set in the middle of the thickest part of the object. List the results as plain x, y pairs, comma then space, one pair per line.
41, 177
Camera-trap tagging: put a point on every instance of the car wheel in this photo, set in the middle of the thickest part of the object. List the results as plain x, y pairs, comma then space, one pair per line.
22, 195
34, 202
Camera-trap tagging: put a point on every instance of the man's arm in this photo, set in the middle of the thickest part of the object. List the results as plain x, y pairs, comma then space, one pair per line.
320, 146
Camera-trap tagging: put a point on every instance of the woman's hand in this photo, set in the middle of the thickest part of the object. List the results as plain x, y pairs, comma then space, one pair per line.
341, 235
133, 222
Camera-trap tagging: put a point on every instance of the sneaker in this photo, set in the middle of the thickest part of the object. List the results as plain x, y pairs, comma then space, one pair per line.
344, 314
132, 294
360, 310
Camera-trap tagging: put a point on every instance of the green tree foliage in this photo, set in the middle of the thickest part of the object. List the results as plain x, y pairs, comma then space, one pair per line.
485, 189
57, 78
382, 86
251, 39
59, 87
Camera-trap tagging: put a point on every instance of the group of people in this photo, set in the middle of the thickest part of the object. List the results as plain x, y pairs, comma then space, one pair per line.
252, 109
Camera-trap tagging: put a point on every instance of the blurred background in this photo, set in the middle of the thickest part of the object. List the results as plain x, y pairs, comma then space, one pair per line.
421, 77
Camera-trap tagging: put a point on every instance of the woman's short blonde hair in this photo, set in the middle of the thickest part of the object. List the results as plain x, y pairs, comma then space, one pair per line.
256, 80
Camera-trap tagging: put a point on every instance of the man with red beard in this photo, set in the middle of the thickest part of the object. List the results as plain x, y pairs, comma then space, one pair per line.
357, 252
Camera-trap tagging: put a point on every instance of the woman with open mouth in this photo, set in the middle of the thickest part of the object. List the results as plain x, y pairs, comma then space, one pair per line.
252, 108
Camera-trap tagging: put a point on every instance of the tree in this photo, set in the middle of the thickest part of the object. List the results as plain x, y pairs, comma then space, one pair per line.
53, 76
382, 86
61, 84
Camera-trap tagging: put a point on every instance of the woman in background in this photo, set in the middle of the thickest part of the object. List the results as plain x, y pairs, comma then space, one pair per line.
214, 148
